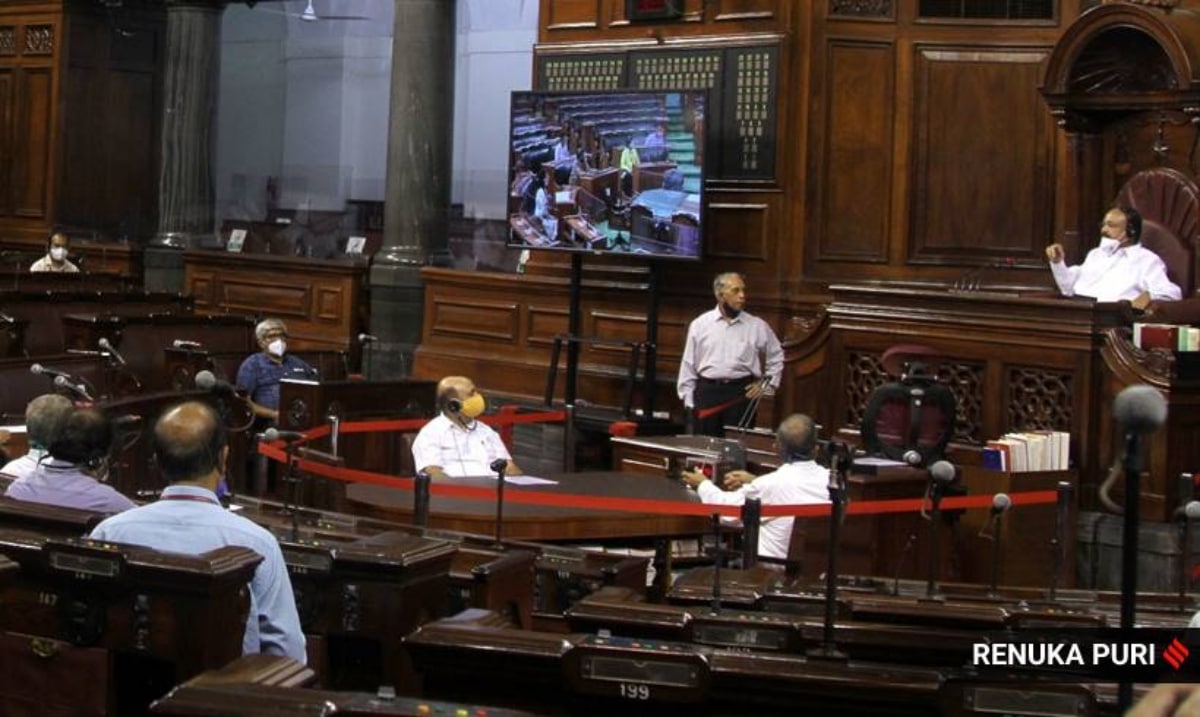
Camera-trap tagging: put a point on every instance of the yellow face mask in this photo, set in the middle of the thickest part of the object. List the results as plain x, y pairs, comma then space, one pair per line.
474, 406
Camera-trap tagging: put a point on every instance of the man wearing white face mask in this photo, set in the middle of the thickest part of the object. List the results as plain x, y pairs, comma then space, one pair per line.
260, 374
1119, 269
56, 256
454, 443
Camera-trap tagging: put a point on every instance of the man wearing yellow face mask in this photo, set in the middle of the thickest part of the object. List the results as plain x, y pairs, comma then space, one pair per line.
455, 443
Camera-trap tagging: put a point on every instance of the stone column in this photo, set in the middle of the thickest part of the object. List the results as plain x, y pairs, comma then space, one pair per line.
185, 184
417, 202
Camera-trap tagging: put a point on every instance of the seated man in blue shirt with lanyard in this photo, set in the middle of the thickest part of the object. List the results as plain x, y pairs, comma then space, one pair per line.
259, 375
191, 451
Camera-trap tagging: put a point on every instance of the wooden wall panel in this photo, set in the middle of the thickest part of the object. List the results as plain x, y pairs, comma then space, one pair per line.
475, 320
32, 150
982, 172
732, 10
740, 229
8, 97
571, 14
855, 183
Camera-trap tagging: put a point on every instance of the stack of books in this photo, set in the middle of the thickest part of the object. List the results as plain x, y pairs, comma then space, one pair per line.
1029, 451
1169, 337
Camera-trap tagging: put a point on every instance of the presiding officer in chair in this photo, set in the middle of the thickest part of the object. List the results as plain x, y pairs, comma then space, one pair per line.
1119, 269
723, 359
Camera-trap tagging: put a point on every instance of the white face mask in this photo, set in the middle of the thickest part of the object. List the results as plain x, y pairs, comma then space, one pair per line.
277, 347
58, 253
1108, 244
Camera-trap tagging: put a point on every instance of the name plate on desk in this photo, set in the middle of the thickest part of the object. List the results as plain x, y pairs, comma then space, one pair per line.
736, 636
635, 669
83, 566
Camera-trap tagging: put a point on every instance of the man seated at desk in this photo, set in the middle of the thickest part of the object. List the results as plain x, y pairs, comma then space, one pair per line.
191, 450
798, 481
72, 475
1120, 268
260, 374
455, 443
56, 256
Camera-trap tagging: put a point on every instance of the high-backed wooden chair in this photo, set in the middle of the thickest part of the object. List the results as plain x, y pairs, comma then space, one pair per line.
1169, 202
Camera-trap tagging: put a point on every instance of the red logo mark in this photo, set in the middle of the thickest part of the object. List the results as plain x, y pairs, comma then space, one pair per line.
1175, 653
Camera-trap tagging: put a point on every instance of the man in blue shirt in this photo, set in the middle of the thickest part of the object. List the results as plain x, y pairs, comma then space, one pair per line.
259, 375
190, 447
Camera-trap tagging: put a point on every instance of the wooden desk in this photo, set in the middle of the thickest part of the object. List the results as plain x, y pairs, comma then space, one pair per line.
659, 455
322, 300
547, 523
601, 183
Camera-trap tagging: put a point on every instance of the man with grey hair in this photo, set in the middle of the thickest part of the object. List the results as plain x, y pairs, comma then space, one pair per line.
722, 368
44, 418
260, 374
800, 480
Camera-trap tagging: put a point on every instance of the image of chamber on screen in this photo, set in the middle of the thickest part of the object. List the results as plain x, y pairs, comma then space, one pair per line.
608, 172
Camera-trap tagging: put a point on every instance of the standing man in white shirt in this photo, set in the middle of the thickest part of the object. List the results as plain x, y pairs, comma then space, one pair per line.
723, 359
455, 443
799, 481
1119, 269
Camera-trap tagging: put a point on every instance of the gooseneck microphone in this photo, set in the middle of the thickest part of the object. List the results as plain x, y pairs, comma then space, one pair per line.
1000, 504
1184, 515
185, 344
498, 467
274, 434
207, 381
1140, 410
78, 389
367, 339
106, 345
39, 370
941, 475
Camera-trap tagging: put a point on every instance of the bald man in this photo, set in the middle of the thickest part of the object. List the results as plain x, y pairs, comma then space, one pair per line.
191, 450
800, 480
455, 443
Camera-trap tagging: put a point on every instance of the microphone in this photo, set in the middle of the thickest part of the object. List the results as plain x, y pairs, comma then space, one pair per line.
41, 370
185, 344
367, 338
911, 457
1000, 503
498, 466
206, 381
1140, 409
78, 389
274, 434
129, 421
941, 474
106, 345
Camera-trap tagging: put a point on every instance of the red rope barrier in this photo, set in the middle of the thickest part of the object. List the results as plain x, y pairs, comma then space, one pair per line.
592, 502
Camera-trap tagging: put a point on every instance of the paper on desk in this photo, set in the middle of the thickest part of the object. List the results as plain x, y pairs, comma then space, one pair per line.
529, 480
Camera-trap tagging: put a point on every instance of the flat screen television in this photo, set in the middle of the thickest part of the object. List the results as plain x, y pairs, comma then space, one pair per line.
618, 172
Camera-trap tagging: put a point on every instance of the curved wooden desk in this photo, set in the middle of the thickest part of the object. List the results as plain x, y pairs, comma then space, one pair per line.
537, 522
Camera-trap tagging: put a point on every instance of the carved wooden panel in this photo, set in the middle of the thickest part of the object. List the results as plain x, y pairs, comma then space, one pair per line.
860, 9
738, 230
34, 136
543, 323
856, 162
7, 111
475, 319
966, 382
863, 374
201, 289
39, 40
731, 10
581, 72
1040, 398
1004, 207
8, 40
563, 14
